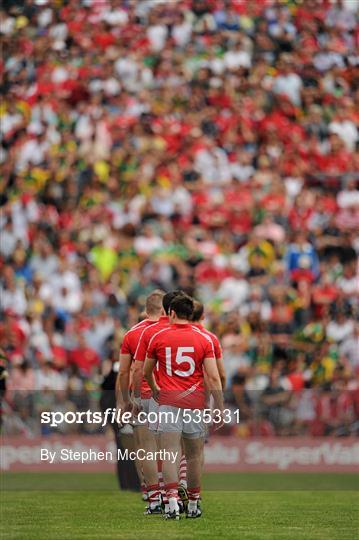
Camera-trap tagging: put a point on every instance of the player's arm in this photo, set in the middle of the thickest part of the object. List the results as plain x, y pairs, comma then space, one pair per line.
137, 374
148, 374
123, 381
117, 389
213, 381
139, 357
139, 360
221, 371
219, 358
137, 379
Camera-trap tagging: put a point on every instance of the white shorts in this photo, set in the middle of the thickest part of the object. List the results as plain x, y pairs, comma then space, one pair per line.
188, 422
145, 403
150, 406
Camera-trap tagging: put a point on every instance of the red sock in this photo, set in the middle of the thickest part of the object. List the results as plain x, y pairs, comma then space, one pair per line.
161, 482
160, 474
194, 494
153, 493
171, 490
183, 471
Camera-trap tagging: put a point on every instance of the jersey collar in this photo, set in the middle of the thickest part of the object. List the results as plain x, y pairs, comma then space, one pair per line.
198, 325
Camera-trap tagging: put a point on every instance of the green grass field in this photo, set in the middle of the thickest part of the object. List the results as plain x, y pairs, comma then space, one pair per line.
273, 506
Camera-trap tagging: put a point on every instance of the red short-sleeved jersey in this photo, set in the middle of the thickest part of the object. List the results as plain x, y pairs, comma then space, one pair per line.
141, 350
131, 338
85, 358
216, 344
146, 335
180, 350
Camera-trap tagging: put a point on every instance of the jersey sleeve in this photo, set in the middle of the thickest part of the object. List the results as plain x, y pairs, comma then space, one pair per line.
208, 349
125, 347
141, 349
217, 347
152, 348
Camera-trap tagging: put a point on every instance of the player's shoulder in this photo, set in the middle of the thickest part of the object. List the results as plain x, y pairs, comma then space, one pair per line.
152, 329
213, 336
201, 333
201, 339
142, 325
208, 333
159, 332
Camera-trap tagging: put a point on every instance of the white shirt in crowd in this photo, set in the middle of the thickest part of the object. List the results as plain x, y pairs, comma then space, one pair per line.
306, 406
350, 349
49, 379
233, 292
157, 35
347, 131
182, 33
213, 166
339, 331
236, 59
348, 198
145, 245
13, 300
349, 285
32, 152
290, 85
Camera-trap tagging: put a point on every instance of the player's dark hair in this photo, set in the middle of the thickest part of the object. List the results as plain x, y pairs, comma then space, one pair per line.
198, 309
182, 305
168, 298
154, 302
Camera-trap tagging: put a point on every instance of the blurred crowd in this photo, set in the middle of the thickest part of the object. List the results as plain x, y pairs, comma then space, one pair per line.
207, 145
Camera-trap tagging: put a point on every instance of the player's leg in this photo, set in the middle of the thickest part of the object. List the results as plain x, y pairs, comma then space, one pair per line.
182, 485
147, 441
170, 432
193, 440
194, 452
183, 468
170, 442
152, 422
139, 467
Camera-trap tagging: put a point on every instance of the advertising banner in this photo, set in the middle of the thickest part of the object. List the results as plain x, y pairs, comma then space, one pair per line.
98, 453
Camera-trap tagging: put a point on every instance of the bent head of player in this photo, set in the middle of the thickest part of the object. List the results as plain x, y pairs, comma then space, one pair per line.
154, 306
168, 299
198, 311
181, 309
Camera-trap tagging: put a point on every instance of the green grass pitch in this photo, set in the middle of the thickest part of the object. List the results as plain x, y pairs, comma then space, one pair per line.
268, 506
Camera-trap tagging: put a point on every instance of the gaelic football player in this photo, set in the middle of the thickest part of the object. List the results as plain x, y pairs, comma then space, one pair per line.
184, 355
197, 320
142, 398
153, 309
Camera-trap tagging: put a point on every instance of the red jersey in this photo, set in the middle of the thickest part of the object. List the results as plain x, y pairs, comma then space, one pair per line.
130, 340
180, 350
141, 350
216, 344
85, 358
